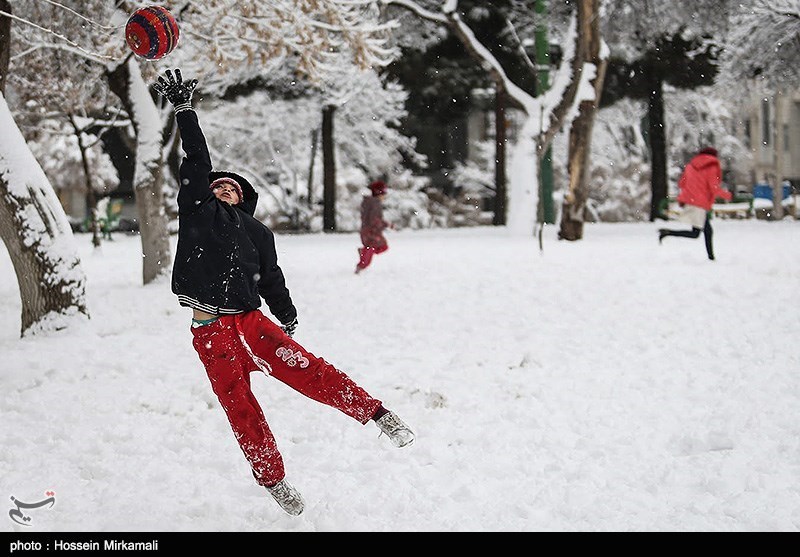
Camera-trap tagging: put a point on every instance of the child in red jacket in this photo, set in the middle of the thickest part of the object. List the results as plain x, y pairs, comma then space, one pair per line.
700, 185
372, 226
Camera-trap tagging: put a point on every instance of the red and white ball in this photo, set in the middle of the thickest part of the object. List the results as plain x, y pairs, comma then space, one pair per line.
152, 32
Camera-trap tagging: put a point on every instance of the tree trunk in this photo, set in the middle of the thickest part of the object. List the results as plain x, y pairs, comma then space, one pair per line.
126, 82
5, 43
38, 237
658, 148
33, 225
313, 158
500, 181
91, 197
328, 171
580, 132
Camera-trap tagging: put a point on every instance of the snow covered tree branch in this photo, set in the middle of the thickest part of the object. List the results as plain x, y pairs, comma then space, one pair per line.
314, 36
764, 43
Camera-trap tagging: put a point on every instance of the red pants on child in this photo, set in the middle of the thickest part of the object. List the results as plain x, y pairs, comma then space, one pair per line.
233, 346
365, 256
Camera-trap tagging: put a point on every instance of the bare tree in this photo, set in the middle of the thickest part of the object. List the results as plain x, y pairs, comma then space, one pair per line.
66, 73
91, 196
580, 132
544, 115
33, 224
126, 81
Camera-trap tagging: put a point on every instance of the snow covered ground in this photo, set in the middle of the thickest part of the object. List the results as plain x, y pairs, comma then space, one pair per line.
610, 384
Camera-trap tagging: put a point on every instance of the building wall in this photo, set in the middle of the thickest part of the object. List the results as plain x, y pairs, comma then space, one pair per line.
793, 152
775, 136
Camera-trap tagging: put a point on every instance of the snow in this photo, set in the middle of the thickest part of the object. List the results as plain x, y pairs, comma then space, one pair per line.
523, 195
610, 384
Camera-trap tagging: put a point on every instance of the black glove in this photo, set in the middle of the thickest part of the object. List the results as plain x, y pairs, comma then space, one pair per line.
289, 328
175, 90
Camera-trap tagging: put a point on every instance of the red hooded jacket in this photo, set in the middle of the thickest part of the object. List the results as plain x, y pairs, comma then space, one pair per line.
372, 223
700, 182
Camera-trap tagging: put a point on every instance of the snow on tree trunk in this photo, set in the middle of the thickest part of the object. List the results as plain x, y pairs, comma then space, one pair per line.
574, 204
543, 117
126, 82
580, 132
523, 191
38, 237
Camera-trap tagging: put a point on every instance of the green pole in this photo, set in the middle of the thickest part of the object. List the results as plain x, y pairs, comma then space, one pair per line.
542, 46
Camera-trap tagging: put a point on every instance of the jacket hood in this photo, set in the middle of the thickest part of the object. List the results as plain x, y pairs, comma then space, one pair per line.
704, 160
249, 198
378, 187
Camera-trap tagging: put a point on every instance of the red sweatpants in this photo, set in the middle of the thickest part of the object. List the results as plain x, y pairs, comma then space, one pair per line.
365, 255
234, 346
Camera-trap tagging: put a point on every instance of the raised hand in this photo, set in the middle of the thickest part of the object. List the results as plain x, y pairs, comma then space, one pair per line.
175, 90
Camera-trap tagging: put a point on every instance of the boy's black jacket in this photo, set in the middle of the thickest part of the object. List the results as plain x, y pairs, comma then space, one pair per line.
225, 258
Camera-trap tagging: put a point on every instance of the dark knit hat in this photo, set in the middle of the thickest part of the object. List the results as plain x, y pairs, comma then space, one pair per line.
378, 188
709, 151
227, 180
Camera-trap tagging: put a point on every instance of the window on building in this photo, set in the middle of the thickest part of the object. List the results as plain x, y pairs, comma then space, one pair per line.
786, 137
748, 134
766, 129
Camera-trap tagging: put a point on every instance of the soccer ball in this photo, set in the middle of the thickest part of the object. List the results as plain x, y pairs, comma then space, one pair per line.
151, 32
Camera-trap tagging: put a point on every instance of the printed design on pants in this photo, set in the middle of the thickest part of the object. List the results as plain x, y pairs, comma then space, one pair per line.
292, 358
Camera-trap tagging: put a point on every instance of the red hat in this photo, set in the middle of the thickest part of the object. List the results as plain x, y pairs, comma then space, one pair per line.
227, 180
378, 188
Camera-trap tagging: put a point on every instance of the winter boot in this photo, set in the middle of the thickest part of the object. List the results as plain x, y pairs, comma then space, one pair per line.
398, 432
359, 266
287, 497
